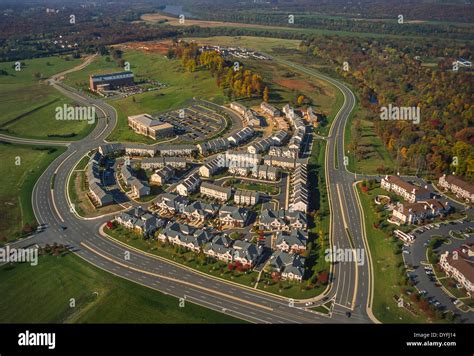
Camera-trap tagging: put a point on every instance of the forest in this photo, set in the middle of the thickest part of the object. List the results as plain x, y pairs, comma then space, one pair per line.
236, 80
393, 72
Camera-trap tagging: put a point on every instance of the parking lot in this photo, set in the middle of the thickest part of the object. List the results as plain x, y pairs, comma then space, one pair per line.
195, 122
422, 273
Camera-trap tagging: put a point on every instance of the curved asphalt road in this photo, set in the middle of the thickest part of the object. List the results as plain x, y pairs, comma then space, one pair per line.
350, 287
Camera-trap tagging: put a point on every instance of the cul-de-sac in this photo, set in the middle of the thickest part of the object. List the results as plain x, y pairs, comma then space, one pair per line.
185, 164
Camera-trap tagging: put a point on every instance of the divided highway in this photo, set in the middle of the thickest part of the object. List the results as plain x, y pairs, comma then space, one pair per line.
351, 285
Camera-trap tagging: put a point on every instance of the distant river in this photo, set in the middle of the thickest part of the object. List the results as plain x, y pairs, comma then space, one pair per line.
177, 10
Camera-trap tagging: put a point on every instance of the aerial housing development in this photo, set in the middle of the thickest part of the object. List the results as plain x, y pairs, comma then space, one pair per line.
220, 162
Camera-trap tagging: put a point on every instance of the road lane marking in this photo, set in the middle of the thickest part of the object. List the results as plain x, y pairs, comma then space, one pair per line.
174, 279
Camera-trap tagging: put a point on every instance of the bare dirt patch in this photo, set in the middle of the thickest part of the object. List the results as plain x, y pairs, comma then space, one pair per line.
160, 47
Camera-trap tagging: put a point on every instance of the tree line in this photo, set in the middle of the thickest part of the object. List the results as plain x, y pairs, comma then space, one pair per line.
236, 80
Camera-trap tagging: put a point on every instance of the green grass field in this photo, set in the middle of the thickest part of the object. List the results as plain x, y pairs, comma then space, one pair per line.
378, 155
16, 185
119, 300
29, 104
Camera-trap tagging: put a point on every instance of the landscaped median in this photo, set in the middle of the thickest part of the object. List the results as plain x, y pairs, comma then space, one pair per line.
390, 275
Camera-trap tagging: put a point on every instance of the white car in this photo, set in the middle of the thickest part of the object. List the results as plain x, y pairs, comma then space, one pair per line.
308, 304
456, 302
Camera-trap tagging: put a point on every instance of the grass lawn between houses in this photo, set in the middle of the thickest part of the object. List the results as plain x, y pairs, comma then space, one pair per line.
118, 300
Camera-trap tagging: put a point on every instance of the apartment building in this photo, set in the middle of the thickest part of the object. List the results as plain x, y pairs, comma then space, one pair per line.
408, 191
457, 186
459, 264
413, 213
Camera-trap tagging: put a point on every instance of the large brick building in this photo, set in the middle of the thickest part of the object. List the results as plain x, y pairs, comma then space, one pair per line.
146, 125
110, 81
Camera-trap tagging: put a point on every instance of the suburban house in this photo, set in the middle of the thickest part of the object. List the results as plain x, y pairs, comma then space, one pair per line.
246, 197
241, 136
146, 125
211, 167
241, 159
185, 236
239, 171
213, 146
137, 149
172, 203
291, 266
189, 185
408, 191
176, 150
283, 162
216, 191
160, 162
269, 109
260, 146
251, 119
291, 242
299, 197
297, 139
161, 176
246, 253
241, 109
414, 213
233, 216
279, 137
457, 186
140, 221
218, 250
97, 192
200, 211
112, 149
266, 172
283, 152
312, 116
138, 188
285, 220
459, 264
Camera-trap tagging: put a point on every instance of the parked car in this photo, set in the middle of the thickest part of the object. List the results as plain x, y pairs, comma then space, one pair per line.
308, 304
406, 251
456, 302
